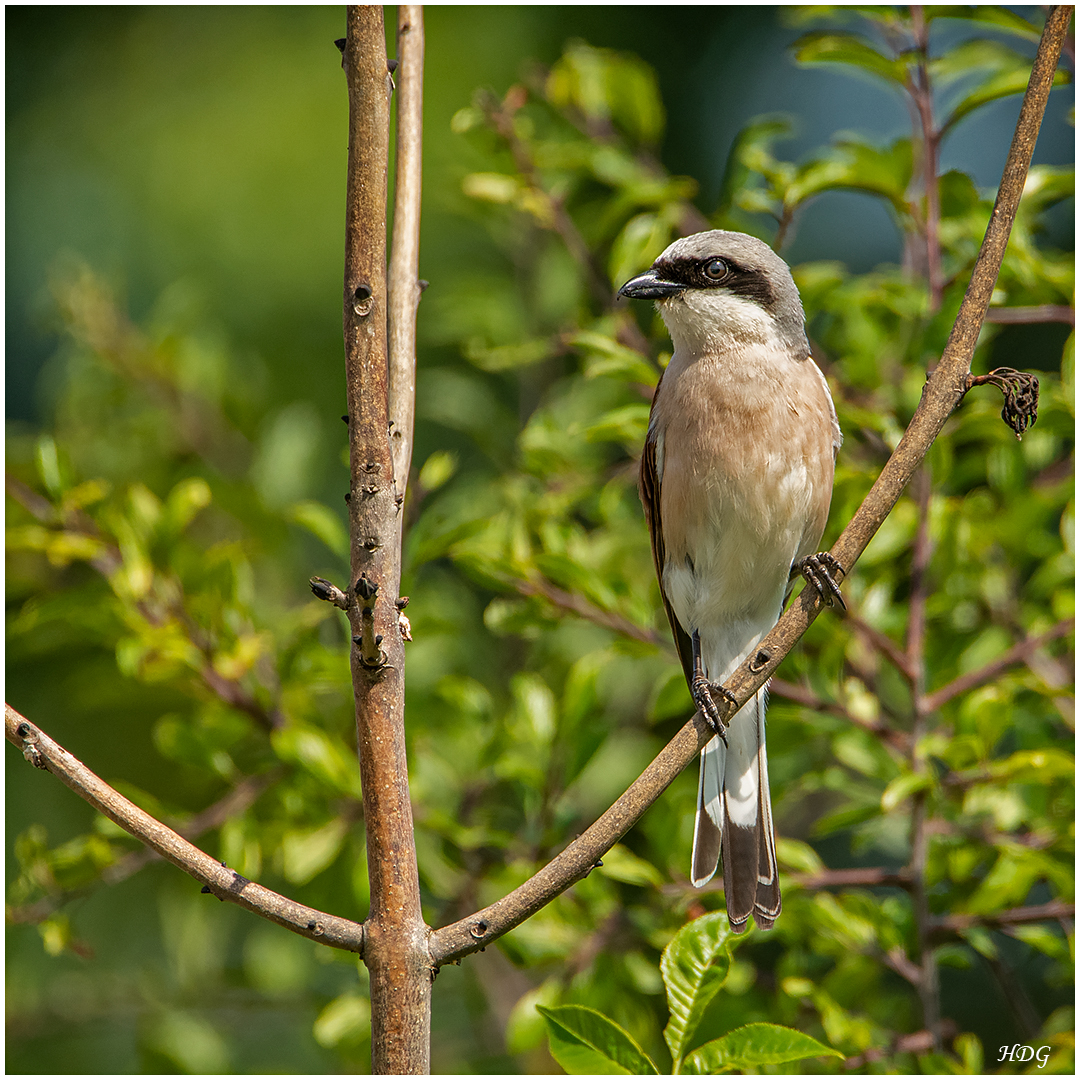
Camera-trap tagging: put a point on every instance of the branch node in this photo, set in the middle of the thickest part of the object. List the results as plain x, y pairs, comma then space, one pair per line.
31, 751
761, 659
367, 641
366, 589
326, 590
478, 929
1021, 392
363, 300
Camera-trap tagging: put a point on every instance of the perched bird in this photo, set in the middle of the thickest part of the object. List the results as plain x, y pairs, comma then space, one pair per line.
736, 480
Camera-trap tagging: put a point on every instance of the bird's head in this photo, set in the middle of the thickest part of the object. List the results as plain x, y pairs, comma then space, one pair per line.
723, 286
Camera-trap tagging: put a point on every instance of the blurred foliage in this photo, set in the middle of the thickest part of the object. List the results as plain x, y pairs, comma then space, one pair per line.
160, 531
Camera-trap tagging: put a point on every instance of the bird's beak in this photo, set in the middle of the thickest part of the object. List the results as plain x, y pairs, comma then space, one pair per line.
650, 286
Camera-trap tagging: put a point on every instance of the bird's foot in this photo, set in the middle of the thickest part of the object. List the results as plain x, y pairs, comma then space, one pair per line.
819, 571
702, 692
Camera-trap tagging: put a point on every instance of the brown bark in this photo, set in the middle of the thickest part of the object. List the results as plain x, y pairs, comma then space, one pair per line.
395, 934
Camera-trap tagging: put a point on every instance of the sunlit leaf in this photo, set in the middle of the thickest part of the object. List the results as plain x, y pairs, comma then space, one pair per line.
694, 966
585, 1041
753, 1045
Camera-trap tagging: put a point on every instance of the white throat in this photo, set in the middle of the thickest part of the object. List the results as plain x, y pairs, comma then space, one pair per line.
703, 321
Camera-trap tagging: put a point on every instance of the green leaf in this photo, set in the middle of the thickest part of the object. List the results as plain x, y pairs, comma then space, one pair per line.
826, 48
621, 864
626, 424
755, 1044
308, 852
185, 500
856, 166
1003, 84
694, 966
903, 787
585, 1041
322, 522
346, 1020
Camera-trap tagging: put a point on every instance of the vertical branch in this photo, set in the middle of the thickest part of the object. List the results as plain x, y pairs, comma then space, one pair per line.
394, 931
928, 987
921, 94
405, 287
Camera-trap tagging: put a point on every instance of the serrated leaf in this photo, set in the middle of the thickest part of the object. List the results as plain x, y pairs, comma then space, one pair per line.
584, 1041
755, 1044
694, 966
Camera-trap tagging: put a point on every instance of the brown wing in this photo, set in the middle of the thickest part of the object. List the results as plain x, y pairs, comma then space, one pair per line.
649, 489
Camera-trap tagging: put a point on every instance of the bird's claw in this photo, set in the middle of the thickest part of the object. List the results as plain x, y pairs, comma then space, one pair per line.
819, 570
702, 692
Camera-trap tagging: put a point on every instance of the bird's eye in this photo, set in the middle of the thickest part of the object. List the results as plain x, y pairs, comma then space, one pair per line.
716, 269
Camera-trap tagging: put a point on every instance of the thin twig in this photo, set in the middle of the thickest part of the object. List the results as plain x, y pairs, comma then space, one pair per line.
918, 1042
501, 117
231, 805
586, 609
42, 752
1037, 313
803, 695
927, 984
868, 877
404, 283
919, 88
882, 642
940, 396
859, 876
949, 925
989, 672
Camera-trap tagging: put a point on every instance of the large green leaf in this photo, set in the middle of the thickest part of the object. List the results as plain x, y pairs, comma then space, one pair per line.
755, 1044
826, 48
694, 966
1008, 70
584, 1041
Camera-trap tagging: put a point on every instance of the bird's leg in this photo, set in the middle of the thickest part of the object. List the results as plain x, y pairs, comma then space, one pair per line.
702, 691
819, 570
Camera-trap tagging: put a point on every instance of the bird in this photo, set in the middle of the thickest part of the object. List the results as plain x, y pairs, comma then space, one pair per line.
736, 483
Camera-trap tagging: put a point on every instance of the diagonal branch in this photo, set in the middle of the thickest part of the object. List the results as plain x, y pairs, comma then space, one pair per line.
802, 695
942, 393
225, 884
234, 803
569, 601
981, 676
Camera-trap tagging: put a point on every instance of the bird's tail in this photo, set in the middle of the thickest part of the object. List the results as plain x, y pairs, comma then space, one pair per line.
734, 814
